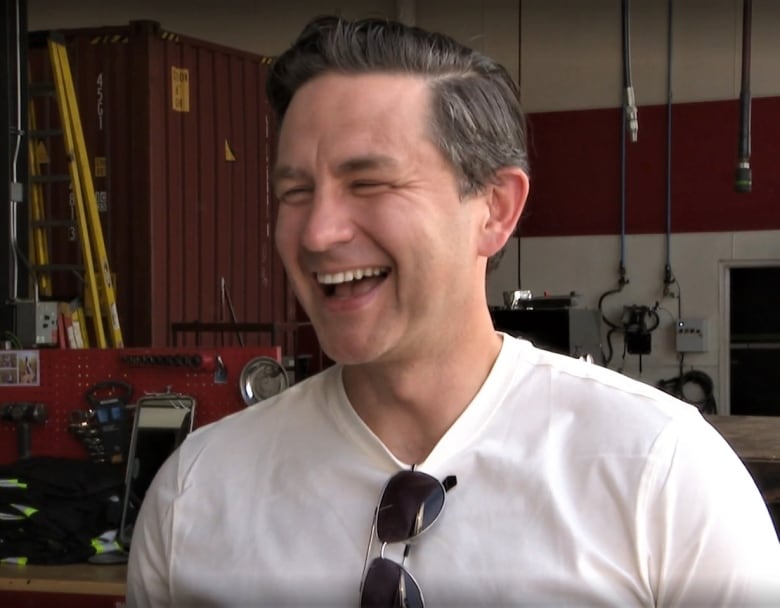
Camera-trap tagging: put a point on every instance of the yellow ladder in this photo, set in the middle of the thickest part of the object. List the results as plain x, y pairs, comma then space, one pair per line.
98, 284
40, 243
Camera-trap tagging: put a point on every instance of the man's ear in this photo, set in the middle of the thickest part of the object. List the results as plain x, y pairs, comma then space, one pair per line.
505, 200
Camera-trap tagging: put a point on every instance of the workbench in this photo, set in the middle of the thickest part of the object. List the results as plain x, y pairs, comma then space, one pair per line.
93, 585
756, 440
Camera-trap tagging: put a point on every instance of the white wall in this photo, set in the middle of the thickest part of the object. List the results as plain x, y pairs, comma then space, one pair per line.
569, 58
572, 52
589, 266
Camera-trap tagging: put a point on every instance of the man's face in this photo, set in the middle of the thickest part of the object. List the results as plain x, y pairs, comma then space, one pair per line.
377, 244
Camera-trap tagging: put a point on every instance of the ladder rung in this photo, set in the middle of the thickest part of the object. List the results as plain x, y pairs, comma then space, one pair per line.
52, 223
44, 133
41, 89
49, 179
56, 267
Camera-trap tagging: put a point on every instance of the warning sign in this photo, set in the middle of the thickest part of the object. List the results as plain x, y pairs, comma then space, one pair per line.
180, 89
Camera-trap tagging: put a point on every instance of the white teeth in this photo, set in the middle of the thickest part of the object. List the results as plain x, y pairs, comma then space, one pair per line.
350, 275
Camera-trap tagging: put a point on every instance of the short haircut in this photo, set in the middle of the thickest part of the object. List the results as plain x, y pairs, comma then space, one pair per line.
476, 118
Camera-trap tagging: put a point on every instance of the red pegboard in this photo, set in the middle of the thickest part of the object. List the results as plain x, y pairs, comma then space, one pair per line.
65, 375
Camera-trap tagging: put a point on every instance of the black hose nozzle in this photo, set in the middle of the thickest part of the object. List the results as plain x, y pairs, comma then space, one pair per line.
744, 177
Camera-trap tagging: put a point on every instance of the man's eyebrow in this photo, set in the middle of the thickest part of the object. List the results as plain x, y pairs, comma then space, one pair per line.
351, 165
287, 172
360, 163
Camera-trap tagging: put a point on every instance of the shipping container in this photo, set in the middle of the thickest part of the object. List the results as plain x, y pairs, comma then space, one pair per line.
180, 138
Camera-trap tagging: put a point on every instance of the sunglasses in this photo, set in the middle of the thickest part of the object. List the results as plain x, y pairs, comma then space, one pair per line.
410, 503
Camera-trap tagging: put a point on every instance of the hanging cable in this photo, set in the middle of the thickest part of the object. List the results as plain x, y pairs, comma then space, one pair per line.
16, 195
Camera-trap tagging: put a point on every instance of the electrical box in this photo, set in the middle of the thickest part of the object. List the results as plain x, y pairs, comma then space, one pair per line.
570, 331
36, 323
691, 335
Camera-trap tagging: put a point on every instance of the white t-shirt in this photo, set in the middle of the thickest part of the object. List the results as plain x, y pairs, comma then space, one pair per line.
576, 486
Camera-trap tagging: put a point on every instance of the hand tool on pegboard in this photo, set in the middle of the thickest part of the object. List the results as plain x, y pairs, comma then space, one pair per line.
67, 374
183, 360
22, 416
104, 428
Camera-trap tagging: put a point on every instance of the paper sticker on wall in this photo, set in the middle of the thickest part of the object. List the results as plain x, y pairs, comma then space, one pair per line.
19, 367
180, 89
229, 156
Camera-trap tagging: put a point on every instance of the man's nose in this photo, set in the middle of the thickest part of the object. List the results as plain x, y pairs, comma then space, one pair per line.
329, 222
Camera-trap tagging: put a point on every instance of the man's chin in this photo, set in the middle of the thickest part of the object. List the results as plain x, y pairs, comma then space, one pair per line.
349, 352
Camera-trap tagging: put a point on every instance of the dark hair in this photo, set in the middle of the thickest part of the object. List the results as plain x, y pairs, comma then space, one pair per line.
477, 121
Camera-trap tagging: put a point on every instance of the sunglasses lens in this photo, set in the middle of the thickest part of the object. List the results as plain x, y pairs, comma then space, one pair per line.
388, 585
410, 503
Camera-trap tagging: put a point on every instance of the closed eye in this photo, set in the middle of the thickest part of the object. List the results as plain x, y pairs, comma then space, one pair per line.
295, 196
368, 188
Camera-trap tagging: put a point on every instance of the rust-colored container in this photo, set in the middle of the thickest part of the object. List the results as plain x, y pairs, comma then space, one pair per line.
181, 138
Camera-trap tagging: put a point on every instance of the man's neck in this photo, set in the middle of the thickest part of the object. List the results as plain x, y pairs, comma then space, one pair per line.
410, 405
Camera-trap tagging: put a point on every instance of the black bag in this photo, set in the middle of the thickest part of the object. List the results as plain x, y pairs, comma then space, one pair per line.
53, 510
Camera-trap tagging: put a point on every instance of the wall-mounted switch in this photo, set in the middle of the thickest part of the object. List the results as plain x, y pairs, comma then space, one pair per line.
691, 335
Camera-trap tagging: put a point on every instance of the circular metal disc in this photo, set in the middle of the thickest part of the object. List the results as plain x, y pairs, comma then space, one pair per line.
261, 378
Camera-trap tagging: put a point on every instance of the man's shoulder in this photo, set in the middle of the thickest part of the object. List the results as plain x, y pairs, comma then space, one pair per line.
597, 396
297, 403
584, 375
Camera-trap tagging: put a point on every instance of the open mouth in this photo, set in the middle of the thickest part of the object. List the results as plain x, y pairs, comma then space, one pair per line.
351, 283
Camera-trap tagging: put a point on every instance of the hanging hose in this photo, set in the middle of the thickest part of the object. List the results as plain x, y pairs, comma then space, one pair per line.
631, 117
676, 386
669, 278
630, 124
744, 177
519, 84
668, 269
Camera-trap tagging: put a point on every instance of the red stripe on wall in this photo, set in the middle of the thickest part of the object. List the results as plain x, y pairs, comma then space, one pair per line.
576, 171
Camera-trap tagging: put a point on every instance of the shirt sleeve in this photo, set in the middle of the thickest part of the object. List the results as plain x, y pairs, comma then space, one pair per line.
710, 536
148, 567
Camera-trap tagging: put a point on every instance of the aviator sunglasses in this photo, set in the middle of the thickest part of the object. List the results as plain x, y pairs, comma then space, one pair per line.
410, 503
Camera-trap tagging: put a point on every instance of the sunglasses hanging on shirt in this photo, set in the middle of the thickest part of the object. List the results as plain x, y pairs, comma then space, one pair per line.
410, 503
